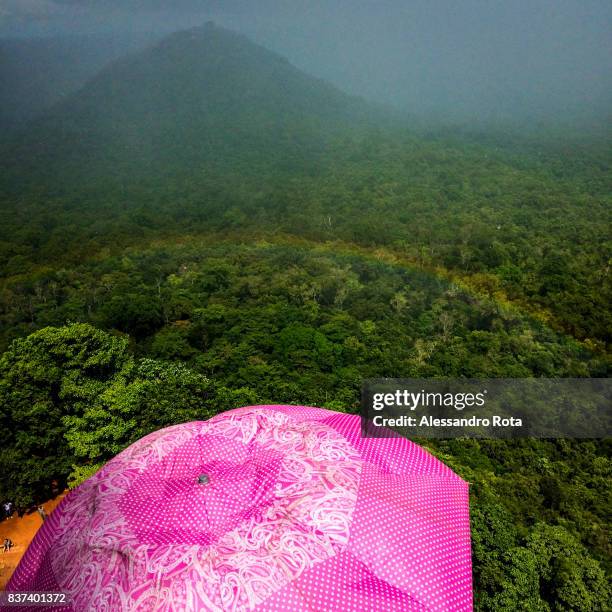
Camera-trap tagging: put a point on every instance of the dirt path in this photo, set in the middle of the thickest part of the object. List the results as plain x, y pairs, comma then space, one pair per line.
21, 531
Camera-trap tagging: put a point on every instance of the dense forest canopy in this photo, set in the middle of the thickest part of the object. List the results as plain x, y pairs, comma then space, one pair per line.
204, 226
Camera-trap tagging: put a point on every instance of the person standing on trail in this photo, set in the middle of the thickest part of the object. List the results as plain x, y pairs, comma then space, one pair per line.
8, 544
41, 511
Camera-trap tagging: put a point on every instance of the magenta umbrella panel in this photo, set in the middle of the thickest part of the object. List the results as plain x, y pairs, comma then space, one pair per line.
263, 508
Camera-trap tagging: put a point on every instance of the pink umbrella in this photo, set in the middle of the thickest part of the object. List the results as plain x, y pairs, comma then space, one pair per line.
261, 508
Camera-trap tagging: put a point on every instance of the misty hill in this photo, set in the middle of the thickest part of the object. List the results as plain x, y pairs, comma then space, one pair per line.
37, 73
205, 94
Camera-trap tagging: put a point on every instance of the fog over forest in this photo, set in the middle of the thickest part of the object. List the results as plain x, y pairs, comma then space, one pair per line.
500, 62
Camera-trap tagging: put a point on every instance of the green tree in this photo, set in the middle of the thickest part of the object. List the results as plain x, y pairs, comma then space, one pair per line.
52, 373
569, 576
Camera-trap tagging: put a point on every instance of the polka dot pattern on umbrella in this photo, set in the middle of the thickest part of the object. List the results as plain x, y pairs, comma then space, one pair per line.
297, 512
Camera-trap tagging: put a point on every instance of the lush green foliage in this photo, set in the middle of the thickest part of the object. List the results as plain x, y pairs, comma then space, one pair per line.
292, 310
539, 521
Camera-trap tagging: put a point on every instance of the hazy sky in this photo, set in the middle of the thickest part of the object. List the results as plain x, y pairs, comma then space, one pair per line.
459, 58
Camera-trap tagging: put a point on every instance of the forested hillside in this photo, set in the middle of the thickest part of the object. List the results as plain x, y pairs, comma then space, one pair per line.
204, 226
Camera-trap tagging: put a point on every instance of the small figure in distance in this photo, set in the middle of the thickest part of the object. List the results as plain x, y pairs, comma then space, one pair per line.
8, 544
41, 511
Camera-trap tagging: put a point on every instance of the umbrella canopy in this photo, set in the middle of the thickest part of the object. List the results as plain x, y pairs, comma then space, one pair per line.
260, 508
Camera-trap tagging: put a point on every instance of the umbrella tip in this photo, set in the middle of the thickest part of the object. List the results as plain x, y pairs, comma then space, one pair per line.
203, 479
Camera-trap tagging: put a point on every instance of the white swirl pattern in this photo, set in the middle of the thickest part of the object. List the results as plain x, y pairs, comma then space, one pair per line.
307, 522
